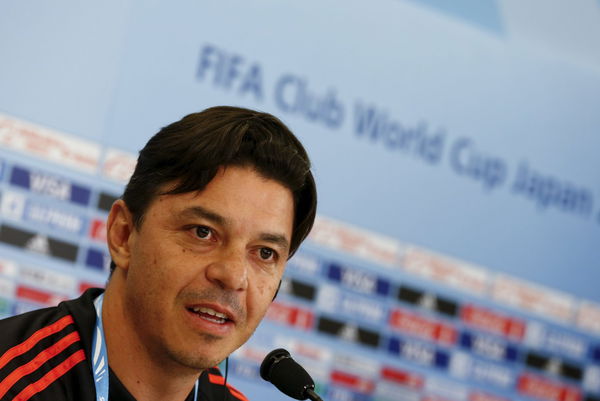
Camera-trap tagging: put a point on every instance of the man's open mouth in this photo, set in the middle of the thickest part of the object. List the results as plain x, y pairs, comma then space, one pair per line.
210, 314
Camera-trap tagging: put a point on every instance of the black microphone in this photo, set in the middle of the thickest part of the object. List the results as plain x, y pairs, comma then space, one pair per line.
288, 376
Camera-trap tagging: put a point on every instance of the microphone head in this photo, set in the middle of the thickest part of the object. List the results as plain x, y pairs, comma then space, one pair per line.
287, 375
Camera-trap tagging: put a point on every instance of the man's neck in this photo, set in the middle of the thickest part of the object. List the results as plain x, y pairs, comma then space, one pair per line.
145, 375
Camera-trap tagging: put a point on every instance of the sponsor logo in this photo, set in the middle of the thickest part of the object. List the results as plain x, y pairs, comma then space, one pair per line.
38, 243
402, 377
591, 379
48, 279
305, 263
351, 381
348, 331
355, 364
290, 315
331, 299
484, 372
246, 369
534, 298
50, 185
298, 289
30, 294
555, 340
588, 317
50, 145
445, 270
492, 321
489, 373
553, 366
98, 230
359, 281
542, 388
420, 353
449, 390
387, 391
12, 205
250, 352
54, 218
479, 396
118, 165
17, 207
355, 241
427, 301
488, 346
335, 393
319, 356
418, 326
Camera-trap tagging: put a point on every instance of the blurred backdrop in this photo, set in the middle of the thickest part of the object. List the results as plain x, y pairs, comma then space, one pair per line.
455, 146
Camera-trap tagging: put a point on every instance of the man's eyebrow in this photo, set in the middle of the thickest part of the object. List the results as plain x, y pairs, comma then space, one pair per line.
276, 239
199, 211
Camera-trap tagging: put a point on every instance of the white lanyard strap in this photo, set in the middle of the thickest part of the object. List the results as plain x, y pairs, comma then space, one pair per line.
100, 360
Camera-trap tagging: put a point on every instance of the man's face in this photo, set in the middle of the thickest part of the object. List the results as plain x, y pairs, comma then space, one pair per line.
204, 266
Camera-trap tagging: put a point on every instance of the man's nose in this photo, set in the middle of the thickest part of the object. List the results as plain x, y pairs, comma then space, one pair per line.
230, 270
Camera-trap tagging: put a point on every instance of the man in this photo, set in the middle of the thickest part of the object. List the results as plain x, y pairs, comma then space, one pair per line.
216, 205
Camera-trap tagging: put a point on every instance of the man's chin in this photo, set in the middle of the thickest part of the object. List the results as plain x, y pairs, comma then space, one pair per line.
198, 361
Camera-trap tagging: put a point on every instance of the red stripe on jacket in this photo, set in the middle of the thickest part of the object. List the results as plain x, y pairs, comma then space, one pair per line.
51, 376
34, 339
39, 360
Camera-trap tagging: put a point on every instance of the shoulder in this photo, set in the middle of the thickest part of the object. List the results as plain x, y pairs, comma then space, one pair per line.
42, 351
214, 387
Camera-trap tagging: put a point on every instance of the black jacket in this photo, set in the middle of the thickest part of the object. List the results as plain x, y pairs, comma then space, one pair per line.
45, 355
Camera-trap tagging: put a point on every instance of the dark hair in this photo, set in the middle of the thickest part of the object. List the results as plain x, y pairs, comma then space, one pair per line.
190, 151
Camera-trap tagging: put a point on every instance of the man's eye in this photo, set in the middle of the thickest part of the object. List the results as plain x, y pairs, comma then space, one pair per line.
266, 253
203, 232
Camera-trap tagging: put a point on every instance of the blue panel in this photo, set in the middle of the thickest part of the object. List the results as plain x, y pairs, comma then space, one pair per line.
442, 359
95, 259
394, 345
383, 287
466, 339
512, 353
596, 353
80, 195
335, 272
19, 177
481, 13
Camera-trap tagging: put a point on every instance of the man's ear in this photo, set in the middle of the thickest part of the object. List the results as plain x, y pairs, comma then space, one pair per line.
119, 228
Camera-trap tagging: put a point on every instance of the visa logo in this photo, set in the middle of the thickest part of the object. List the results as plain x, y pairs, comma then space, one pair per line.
359, 281
48, 185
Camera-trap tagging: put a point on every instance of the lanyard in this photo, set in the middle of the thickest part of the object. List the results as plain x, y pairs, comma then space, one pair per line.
100, 360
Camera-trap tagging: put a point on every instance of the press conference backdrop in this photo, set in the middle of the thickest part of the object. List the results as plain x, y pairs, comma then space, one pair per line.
455, 146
